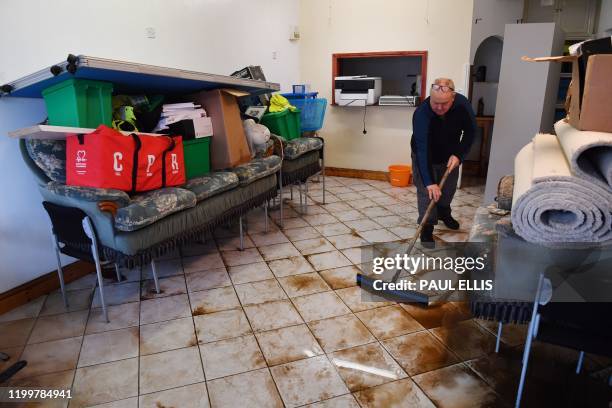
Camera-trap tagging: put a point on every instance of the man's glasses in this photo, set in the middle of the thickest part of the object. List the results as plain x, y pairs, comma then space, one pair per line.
443, 88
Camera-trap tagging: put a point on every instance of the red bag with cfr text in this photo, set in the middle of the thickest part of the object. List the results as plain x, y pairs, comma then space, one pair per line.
106, 158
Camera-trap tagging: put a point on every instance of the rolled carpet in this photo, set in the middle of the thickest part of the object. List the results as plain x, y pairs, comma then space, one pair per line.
552, 207
589, 153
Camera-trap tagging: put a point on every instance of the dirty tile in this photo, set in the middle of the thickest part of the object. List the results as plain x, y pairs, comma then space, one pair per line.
339, 278
332, 338
338, 207
13, 356
376, 212
299, 234
320, 219
278, 251
362, 225
328, 260
350, 215
77, 300
306, 381
169, 335
378, 235
344, 401
59, 380
457, 386
443, 314
329, 230
291, 223
270, 238
15, 332
168, 308
304, 284
419, 352
502, 373
120, 317
294, 265
313, 246
260, 292
105, 382
404, 231
164, 269
213, 300
288, 344
56, 327
249, 273
88, 281
118, 294
109, 346
190, 396
366, 366
221, 325
233, 243
347, 241
397, 394
512, 334
29, 310
213, 278
353, 298
467, 339
202, 262
254, 389
170, 369
124, 403
272, 315
361, 204
455, 236
173, 285
320, 306
248, 256
231, 356
350, 196
390, 321
49, 357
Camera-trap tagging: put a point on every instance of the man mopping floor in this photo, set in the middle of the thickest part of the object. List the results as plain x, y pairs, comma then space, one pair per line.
443, 131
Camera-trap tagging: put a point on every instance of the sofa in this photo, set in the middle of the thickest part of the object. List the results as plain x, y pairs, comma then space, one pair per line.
133, 230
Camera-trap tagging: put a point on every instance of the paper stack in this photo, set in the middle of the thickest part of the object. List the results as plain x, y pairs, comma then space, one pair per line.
187, 111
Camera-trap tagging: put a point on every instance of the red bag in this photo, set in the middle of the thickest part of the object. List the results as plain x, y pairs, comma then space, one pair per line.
106, 158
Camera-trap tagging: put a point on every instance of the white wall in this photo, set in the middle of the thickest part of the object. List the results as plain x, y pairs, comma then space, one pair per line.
604, 25
441, 27
205, 35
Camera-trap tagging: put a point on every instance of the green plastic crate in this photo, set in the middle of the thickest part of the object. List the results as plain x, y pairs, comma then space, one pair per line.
79, 103
286, 123
197, 157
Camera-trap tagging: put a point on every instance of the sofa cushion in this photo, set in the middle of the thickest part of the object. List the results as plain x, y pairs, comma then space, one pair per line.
263, 150
89, 193
211, 184
146, 208
50, 156
297, 147
257, 168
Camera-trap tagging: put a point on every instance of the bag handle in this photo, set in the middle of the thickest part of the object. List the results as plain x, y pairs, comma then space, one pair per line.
138, 145
168, 149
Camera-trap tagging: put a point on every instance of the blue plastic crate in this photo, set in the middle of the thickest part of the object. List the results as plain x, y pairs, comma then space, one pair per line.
313, 112
307, 95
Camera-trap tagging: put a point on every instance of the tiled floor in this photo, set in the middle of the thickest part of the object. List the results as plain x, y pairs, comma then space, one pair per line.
280, 324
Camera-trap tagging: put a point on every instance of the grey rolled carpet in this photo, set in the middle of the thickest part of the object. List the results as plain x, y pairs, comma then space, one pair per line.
589, 153
553, 207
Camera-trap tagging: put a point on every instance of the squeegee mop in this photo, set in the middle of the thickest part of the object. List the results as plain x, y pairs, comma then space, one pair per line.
407, 296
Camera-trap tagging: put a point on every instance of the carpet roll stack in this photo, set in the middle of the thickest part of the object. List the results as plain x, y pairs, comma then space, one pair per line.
563, 189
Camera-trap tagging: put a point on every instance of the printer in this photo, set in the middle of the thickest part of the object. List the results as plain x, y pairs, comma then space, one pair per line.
357, 90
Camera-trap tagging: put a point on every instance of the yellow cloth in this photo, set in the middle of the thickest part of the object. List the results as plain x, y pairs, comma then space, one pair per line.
279, 103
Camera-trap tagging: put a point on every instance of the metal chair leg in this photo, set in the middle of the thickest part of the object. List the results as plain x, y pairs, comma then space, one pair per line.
154, 273
323, 175
305, 210
60, 273
88, 228
117, 272
580, 361
499, 333
266, 216
291, 191
241, 234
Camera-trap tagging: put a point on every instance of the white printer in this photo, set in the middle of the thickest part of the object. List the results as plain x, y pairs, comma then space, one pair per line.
357, 90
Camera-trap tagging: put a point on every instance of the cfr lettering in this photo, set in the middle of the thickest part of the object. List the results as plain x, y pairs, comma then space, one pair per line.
117, 158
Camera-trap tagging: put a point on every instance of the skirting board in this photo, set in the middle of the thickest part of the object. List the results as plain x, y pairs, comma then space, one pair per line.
42, 285
356, 173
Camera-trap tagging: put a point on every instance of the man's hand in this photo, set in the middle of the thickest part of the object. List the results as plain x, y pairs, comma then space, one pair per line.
453, 162
434, 192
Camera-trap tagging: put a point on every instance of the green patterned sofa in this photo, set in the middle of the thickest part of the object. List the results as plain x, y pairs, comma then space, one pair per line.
133, 230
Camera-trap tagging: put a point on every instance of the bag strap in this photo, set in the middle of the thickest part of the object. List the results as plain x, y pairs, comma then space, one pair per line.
138, 145
168, 149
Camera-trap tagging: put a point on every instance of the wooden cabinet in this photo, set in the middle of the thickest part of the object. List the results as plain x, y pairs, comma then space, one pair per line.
576, 17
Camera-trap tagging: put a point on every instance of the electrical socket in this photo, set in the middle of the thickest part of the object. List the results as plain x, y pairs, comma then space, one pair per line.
150, 32
274, 55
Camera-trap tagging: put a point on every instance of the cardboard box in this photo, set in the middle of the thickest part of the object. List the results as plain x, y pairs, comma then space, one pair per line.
590, 109
229, 147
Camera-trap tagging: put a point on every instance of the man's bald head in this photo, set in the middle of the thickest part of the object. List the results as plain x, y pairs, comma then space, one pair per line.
442, 95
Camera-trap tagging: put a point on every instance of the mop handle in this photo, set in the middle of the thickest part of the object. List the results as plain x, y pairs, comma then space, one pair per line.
426, 216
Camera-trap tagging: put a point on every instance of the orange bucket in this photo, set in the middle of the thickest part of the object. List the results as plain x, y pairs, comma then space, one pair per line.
400, 175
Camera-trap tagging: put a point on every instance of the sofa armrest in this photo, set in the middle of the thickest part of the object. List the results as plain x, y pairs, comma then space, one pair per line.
89, 193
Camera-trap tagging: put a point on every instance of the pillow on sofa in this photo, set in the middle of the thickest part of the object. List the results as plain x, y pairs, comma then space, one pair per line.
146, 208
50, 156
211, 184
297, 147
257, 169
